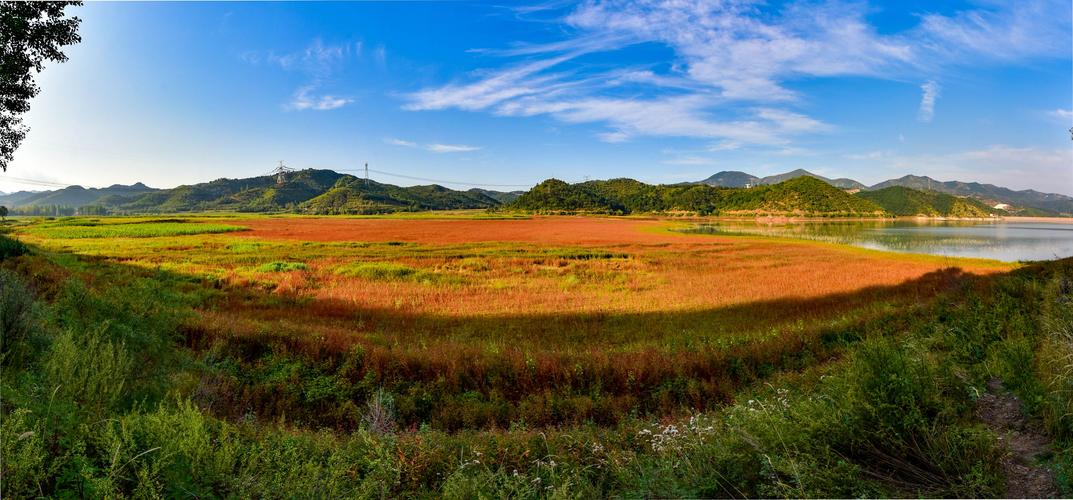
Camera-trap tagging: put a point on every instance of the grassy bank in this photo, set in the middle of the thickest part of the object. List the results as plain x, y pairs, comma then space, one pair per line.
121, 377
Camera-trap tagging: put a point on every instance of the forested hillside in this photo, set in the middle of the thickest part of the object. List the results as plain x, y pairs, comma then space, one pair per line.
903, 201
800, 196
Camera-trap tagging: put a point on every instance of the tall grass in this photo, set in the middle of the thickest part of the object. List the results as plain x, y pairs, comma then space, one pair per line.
137, 381
142, 230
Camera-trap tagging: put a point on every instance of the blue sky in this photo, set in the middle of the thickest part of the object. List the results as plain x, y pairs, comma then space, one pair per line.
174, 93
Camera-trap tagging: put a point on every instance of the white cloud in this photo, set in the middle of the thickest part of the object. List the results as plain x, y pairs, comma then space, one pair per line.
451, 148
435, 148
724, 146
304, 100
732, 63
929, 92
871, 155
1061, 114
614, 137
319, 61
1005, 31
400, 142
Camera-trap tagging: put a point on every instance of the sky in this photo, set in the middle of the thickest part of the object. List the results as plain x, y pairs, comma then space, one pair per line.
506, 95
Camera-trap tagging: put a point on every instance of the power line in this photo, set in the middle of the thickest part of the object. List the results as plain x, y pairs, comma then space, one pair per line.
36, 182
438, 181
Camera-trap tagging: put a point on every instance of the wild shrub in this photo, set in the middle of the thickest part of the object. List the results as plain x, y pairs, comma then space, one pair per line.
909, 431
16, 305
379, 416
1056, 360
142, 316
25, 458
11, 247
379, 271
89, 369
281, 267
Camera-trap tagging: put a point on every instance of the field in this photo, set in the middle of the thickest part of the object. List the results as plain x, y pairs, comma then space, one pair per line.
510, 356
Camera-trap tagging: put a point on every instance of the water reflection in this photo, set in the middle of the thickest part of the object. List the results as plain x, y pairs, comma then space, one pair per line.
1006, 241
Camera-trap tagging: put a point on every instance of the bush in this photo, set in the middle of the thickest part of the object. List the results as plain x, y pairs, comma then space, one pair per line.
16, 305
89, 369
281, 267
380, 271
10, 247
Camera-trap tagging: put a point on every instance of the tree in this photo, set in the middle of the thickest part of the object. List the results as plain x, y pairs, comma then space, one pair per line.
3, 212
31, 33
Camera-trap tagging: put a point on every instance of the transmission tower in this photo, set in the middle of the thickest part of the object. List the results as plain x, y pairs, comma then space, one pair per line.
366, 174
281, 172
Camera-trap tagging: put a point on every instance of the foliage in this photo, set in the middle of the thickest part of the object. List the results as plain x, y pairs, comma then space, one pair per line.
16, 319
11, 247
801, 195
903, 201
281, 267
32, 33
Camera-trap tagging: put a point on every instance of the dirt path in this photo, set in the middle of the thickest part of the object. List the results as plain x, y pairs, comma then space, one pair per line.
1025, 478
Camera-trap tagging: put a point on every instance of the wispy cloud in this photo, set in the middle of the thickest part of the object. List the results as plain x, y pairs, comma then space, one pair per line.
731, 52
451, 148
871, 155
1062, 114
435, 147
400, 142
319, 61
998, 30
305, 99
929, 92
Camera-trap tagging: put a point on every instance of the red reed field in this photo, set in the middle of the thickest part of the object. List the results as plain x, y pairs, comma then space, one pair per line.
500, 322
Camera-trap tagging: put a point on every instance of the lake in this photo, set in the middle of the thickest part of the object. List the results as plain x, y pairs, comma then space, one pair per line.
1009, 241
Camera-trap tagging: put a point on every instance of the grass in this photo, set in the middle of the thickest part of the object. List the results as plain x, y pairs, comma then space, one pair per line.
655, 365
379, 271
72, 230
281, 267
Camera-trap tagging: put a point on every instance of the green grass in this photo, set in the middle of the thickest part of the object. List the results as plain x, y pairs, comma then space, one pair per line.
130, 230
281, 267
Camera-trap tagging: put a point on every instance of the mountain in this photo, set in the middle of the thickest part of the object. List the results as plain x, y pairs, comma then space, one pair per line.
1027, 202
841, 183
500, 196
71, 196
351, 195
903, 201
797, 196
989, 193
305, 191
731, 178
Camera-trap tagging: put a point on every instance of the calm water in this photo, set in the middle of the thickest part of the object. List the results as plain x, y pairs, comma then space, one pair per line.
1007, 241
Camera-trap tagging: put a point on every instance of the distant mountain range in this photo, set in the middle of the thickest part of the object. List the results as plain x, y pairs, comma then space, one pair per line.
328, 192
1026, 202
306, 191
735, 179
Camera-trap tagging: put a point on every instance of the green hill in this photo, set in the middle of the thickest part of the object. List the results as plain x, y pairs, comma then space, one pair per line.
903, 201
797, 196
1028, 202
307, 191
351, 195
